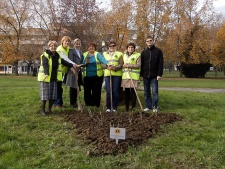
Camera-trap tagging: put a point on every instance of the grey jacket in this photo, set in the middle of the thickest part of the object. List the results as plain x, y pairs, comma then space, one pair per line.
77, 58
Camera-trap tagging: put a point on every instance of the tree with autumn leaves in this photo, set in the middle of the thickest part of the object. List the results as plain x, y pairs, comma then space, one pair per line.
13, 17
188, 32
180, 29
218, 49
117, 24
54, 18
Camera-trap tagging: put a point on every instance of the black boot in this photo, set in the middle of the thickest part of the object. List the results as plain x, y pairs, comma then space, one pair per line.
133, 99
50, 106
43, 103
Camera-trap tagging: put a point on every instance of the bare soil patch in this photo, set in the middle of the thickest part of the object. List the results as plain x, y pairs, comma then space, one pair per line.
95, 128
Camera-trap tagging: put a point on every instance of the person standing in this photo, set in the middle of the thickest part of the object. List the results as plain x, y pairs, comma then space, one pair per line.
115, 62
75, 55
93, 75
131, 74
151, 71
49, 73
63, 51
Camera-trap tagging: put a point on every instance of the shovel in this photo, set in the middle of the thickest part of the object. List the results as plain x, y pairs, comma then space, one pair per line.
136, 92
111, 100
78, 93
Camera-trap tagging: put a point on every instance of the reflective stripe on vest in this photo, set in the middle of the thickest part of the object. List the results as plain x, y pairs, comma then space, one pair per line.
134, 73
100, 70
66, 51
113, 60
41, 75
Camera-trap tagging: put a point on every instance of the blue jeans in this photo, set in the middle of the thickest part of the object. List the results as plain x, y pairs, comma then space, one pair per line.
148, 85
116, 82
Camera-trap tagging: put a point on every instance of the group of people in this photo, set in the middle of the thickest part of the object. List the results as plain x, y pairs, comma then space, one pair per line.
64, 64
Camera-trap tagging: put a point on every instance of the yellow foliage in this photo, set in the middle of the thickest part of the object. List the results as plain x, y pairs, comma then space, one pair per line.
9, 52
219, 47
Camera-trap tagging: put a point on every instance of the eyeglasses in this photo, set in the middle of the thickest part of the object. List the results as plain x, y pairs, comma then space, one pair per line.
148, 40
112, 45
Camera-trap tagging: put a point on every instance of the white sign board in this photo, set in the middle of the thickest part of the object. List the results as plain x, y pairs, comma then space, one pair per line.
117, 133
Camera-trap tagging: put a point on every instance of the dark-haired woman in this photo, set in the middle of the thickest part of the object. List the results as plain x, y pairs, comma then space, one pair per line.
131, 75
93, 75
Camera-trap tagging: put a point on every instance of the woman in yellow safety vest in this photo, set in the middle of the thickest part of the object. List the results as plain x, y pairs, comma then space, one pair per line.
131, 74
50, 72
93, 75
63, 51
113, 73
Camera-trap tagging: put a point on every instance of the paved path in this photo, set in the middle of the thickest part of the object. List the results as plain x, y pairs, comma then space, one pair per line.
207, 90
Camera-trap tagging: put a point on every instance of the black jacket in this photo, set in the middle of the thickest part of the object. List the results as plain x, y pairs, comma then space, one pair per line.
151, 62
55, 56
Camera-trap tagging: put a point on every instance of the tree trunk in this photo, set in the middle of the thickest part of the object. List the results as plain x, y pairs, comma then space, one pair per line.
28, 68
216, 71
223, 70
181, 69
16, 69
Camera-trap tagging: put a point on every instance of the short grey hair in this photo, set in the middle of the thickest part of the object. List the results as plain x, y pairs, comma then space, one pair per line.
77, 40
52, 42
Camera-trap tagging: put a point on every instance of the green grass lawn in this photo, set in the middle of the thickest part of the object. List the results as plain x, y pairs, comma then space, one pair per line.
29, 140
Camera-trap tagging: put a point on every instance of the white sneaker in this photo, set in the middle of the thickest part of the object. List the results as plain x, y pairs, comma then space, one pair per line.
114, 111
107, 110
146, 109
155, 109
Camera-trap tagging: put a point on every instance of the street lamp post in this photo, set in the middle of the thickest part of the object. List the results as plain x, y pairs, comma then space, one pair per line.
103, 45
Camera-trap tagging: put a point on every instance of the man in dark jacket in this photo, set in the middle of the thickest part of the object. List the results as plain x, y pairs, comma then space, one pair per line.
151, 71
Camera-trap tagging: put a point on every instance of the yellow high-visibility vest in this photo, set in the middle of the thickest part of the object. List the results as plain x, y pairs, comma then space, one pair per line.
66, 52
135, 73
100, 70
113, 60
41, 74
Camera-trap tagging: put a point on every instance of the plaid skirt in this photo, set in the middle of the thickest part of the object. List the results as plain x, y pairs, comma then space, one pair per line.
48, 90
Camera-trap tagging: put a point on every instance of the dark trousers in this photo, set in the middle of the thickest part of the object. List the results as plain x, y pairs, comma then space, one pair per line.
92, 90
59, 100
80, 80
73, 96
73, 91
130, 95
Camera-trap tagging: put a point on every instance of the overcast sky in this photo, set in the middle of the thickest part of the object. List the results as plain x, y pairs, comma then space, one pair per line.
218, 4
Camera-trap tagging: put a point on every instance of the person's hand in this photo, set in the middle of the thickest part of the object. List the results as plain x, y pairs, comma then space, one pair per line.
159, 77
81, 65
46, 76
78, 66
113, 68
73, 70
126, 65
87, 61
141, 78
109, 67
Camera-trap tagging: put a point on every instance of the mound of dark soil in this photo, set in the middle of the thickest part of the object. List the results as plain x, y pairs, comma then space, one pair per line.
95, 128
